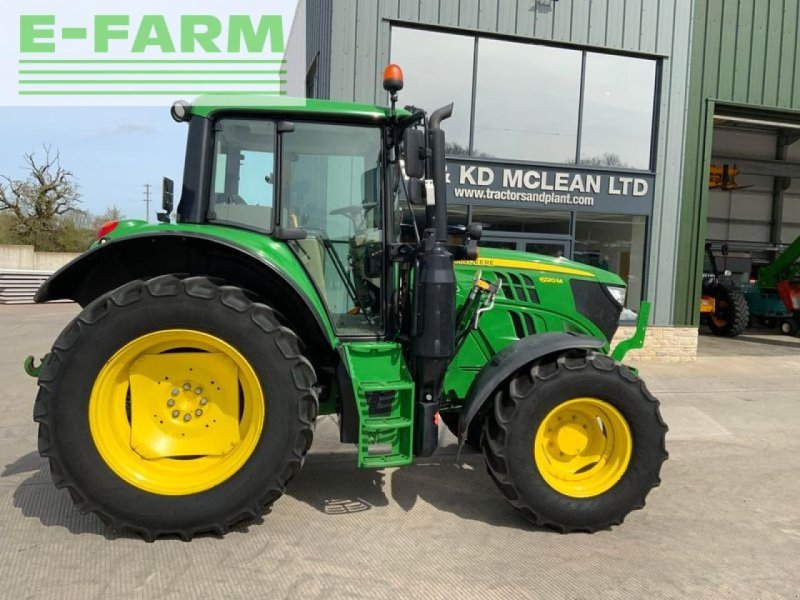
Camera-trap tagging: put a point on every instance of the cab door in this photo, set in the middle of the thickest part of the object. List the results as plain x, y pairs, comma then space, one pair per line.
331, 186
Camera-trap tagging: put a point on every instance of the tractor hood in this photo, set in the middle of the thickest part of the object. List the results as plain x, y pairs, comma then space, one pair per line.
587, 299
526, 261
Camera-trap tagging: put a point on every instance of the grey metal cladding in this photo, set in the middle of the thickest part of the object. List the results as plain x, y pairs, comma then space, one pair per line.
360, 39
319, 30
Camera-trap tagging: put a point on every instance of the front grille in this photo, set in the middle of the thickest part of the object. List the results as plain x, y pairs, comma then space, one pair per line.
594, 303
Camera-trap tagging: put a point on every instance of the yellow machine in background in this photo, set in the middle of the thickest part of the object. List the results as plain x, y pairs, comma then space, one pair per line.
724, 178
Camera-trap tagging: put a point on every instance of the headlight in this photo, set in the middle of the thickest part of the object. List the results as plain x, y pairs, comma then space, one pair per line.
617, 293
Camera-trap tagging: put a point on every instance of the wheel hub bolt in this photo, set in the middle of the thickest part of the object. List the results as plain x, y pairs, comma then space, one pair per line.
187, 417
187, 386
203, 401
175, 391
198, 413
198, 390
170, 402
176, 413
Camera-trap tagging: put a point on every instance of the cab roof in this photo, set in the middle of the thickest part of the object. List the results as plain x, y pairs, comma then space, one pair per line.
205, 106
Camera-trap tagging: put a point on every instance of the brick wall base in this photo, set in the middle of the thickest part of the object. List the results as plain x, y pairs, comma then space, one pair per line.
662, 344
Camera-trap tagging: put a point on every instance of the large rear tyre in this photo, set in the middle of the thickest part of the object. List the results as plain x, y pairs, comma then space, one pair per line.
731, 312
174, 407
575, 442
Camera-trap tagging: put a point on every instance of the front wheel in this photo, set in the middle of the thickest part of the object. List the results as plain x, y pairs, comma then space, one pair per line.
575, 442
175, 407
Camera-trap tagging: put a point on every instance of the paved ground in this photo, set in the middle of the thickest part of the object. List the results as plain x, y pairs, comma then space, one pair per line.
724, 524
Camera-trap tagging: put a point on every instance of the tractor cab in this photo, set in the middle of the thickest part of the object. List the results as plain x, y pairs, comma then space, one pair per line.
321, 192
335, 182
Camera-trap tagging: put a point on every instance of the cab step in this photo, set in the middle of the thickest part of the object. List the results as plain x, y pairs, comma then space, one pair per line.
384, 393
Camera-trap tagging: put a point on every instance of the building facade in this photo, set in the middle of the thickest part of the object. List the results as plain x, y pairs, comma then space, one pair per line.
743, 110
581, 128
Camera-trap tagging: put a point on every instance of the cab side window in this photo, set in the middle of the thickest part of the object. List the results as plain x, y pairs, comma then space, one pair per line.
244, 171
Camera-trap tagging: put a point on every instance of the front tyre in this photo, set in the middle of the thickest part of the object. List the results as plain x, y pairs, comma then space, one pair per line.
575, 442
175, 406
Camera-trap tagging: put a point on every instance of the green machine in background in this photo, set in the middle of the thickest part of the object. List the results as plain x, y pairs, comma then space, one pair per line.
296, 282
734, 299
781, 277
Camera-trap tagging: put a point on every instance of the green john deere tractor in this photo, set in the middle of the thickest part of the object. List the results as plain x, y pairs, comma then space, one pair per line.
295, 282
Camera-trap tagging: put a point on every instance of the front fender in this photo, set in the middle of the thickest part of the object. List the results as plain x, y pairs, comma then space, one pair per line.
512, 358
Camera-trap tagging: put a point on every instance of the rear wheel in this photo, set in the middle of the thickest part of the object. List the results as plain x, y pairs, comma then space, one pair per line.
731, 312
575, 442
789, 326
175, 407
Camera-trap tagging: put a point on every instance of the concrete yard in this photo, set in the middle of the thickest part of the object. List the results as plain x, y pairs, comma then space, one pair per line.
724, 524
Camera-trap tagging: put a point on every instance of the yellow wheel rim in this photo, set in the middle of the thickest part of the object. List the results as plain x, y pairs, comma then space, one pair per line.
208, 383
583, 447
721, 307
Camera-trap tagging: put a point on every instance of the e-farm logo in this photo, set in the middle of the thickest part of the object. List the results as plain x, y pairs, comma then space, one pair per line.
175, 55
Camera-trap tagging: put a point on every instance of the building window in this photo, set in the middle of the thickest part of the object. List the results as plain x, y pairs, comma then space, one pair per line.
615, 243
617, 111
438, 70
514, 220
456, 222
526, 102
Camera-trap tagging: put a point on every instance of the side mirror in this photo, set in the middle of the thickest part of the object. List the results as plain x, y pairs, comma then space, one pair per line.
416, 191
167, 199
414, 152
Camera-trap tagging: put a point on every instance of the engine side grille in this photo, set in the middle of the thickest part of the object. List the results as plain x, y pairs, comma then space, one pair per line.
523, 324
517, 287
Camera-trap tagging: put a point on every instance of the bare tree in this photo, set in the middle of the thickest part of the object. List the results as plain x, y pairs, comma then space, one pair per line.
77, 228
36, 202
112, 213
607, 159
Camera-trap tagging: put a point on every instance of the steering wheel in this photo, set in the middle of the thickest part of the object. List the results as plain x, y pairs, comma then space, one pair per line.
354, 210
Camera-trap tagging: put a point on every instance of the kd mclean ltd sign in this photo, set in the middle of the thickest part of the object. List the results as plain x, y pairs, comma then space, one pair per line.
551, 187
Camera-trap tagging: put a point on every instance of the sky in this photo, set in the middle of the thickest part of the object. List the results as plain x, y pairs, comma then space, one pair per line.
112, 152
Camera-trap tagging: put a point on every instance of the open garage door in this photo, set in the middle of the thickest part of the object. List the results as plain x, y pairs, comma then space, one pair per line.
753, 220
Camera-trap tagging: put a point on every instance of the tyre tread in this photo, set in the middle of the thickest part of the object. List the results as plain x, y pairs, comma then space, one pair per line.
287, 342
497, 421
